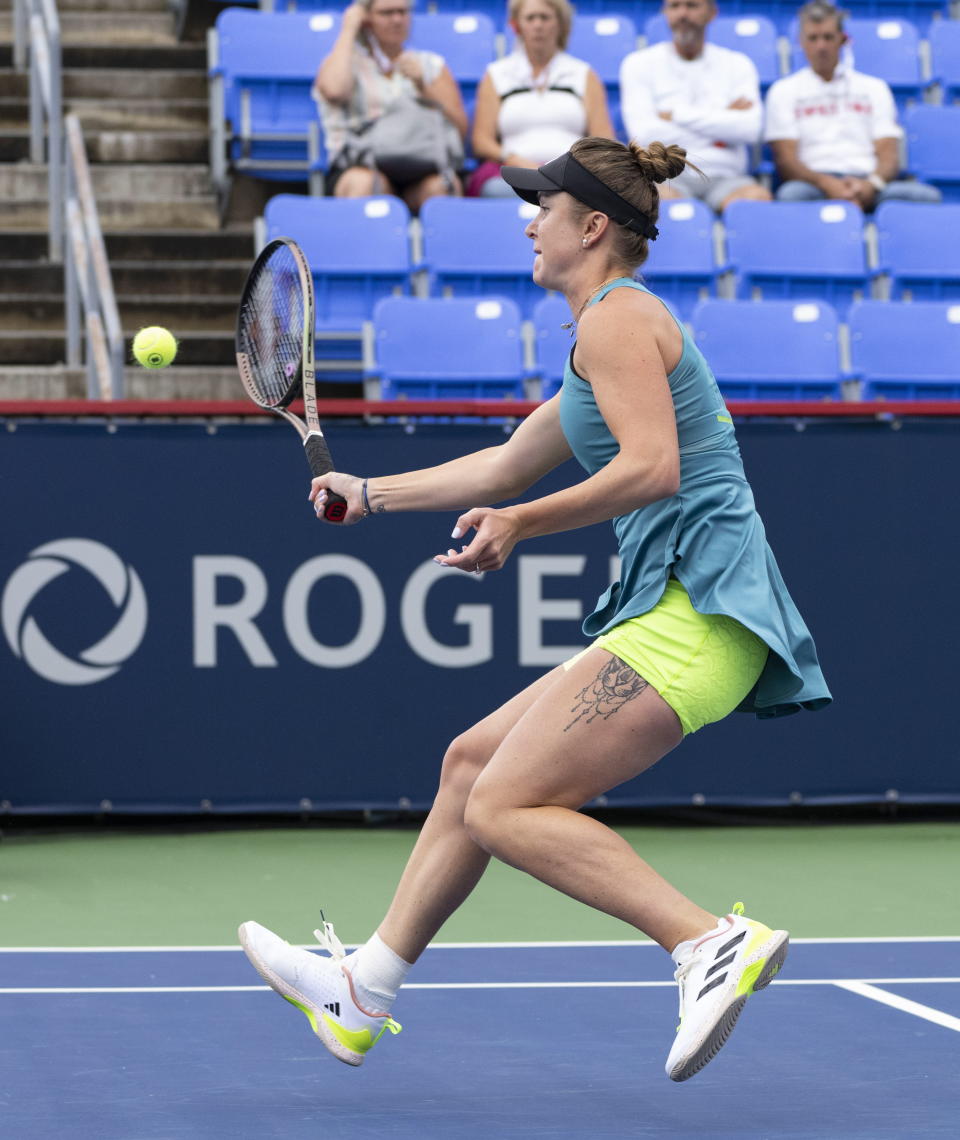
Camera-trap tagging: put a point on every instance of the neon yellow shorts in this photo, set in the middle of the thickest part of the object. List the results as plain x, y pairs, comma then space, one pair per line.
703, 665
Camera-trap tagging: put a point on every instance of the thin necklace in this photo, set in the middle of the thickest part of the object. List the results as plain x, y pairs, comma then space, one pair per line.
571, 325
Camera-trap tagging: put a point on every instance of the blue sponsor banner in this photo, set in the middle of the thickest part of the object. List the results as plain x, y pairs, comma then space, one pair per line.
179, 633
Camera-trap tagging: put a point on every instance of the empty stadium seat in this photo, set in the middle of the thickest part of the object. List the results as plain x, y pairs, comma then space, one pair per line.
797, 249
552, 342
680, 267
476, 246
324, 5
773, 350
906, 350
635, 10
754, 35
358, 251
933, 147
887, 47
945, 57
494, 10
603, 41
466, 40
918, 246
262, 67
448, 347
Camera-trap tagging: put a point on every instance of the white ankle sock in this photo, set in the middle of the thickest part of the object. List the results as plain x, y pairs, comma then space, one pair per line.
682, 951
378, 973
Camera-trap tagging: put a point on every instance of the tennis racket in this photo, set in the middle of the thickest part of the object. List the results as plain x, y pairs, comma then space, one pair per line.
274, 343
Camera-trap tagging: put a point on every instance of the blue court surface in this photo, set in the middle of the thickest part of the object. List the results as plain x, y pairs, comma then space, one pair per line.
858, 1038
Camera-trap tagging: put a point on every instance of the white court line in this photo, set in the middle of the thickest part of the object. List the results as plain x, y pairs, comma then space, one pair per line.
928, 1013
595, 985
899, 938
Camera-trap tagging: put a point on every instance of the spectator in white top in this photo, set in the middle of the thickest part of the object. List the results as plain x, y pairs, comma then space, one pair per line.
536, 102
704, 97
832, 130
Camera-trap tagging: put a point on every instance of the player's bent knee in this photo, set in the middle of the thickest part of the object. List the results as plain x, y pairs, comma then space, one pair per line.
465, 758
483, 820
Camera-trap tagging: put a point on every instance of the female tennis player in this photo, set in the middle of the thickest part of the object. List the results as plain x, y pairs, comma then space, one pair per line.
699, 624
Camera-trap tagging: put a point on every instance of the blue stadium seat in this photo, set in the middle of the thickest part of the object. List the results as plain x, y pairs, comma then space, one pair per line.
933, 147
887, 47
919, 248
603, 41
754, 35
448, 347
945, 57
635, 10
265, 64
467, 41
476, 246
778, 12
906, 350
681, 266
324, 5
798, 250
358, 251
494, 10
552, 342
770, 350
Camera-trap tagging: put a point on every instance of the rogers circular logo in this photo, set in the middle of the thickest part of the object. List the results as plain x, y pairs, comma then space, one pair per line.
28, 641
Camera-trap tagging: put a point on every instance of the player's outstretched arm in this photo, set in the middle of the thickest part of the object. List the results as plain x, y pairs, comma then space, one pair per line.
488, 476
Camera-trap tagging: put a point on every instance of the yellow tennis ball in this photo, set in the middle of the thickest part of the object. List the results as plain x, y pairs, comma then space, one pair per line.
154, 347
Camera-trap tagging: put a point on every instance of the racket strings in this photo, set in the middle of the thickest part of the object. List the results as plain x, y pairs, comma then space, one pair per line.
271, 328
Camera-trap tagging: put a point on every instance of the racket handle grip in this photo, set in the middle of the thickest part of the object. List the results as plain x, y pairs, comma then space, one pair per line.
318, 456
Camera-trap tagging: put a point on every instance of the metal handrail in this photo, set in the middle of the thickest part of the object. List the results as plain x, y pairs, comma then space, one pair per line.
36, 26
88, 283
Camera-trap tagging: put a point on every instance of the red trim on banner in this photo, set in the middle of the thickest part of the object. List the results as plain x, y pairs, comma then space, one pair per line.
353, 409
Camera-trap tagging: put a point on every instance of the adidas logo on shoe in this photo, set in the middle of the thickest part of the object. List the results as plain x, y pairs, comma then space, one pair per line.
334, 1007
723, 957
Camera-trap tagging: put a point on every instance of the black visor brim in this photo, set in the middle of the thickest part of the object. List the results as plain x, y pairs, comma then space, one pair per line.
528, 184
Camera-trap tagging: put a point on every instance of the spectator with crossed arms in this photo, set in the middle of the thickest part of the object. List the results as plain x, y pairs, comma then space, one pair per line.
700, 96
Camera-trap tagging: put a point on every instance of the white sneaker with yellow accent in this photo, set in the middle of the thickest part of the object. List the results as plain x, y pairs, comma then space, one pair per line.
723, 969
319, 987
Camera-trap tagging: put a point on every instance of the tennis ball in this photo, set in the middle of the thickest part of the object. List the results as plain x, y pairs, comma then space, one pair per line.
154, 347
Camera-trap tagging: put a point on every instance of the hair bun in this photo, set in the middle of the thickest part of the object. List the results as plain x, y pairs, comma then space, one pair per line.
657, 162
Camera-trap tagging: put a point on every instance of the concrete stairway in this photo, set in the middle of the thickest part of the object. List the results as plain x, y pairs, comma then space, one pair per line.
141, 97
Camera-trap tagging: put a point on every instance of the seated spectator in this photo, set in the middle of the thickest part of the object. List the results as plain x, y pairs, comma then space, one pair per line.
536, 102
701, 96
364, 76
832, 130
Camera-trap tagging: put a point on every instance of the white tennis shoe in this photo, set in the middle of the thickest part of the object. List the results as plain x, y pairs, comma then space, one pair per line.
725, 967
319, 987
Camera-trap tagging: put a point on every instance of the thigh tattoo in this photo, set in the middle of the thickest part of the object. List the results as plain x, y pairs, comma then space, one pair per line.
614, 685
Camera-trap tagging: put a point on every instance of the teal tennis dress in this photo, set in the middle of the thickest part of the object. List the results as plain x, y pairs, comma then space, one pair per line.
708, 535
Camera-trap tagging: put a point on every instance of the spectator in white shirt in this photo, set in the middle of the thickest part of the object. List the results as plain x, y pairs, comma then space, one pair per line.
704, 97
533, 104
832, 130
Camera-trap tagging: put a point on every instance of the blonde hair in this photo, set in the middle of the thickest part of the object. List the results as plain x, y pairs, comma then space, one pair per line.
633, 172
561, 9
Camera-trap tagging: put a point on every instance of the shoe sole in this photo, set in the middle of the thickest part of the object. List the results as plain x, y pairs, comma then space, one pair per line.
770, 966
293, 995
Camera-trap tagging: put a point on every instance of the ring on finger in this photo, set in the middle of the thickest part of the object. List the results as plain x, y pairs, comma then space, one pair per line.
476, 569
